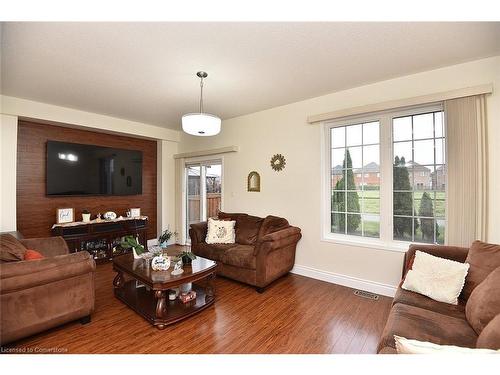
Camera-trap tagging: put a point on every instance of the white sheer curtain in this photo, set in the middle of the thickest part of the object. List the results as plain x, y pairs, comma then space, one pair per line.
467, 170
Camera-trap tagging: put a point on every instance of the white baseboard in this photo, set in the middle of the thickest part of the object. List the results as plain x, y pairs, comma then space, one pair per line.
349, 281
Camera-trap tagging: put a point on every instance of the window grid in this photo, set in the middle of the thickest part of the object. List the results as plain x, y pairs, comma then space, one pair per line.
434, 189
361, 190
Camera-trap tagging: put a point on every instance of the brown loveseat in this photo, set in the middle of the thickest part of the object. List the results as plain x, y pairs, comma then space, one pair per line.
474, 322
264, 248
36, 295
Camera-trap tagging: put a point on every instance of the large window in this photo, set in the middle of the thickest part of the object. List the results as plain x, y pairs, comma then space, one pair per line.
386, 177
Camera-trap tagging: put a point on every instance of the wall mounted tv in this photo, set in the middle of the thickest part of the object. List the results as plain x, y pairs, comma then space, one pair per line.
79, 169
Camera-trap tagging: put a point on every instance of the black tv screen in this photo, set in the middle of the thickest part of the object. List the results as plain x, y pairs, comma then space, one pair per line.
79, 169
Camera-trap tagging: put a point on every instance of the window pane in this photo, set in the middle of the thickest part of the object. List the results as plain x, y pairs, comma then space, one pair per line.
425, 232
423, 126
371, 157
338, 179
403, 150
438, 124
440, 204
338, 201
440, 155
338, 137
402, 228
354, 201
371, 201
402, 129
354, 224
371, 133
440, 228
424, 152
355, 154
371, 225
338, 155
354, 137
338, 223
402, 203
439, 178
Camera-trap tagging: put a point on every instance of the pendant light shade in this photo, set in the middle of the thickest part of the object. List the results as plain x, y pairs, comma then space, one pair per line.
201, 124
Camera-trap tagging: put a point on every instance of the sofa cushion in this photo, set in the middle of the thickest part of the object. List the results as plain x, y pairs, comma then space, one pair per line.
483, 258
11, 250
425, 325
211, 251
407, 297
240, 256
484, 302
272, 224
490, 336
247, 229
230, 215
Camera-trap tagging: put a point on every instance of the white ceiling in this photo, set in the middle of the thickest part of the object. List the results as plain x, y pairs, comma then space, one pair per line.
146, 71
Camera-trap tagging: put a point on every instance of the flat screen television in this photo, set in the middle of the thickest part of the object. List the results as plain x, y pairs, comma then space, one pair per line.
79, 169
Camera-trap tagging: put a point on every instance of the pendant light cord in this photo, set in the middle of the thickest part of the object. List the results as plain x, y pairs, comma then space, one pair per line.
201, 95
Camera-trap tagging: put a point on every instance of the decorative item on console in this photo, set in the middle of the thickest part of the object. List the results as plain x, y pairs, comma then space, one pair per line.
135, 212
65, 215
110, 215
86, 216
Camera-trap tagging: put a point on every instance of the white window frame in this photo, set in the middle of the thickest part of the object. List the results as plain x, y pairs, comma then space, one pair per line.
386, 241
199, 160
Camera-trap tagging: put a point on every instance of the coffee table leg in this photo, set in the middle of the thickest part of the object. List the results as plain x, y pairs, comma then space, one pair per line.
160, 306
118, 281
210, 288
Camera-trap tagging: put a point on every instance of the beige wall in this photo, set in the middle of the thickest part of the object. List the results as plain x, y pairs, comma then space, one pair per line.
8, 156
13, 108
295, 192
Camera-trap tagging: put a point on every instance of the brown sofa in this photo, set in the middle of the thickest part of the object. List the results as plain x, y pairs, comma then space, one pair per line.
264, 248
474, 322
36, 295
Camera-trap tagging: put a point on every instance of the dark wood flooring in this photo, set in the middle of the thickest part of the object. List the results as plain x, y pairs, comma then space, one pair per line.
296, 314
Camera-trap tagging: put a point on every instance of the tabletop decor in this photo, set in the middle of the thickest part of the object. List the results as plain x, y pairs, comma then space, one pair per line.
165, 237
65, 215
130, 242
110, 215
278, 162
86, 216
187, 257
160, 263
177, 268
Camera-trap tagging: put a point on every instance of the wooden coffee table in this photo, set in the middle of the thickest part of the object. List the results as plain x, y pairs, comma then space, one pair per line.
146, 291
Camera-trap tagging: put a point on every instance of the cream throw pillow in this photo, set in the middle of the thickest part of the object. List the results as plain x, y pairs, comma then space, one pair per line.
438, 278
220, 231
407, 346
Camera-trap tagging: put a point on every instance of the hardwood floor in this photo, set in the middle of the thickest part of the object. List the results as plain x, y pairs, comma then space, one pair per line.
296, 314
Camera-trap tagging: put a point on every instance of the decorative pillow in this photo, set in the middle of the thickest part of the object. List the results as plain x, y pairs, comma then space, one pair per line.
220, 231
247, 229
408, 346
438, 278
484, 302
32, 255
11, 250
483, 258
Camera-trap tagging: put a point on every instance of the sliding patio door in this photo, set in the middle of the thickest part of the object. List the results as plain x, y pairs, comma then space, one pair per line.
203, 191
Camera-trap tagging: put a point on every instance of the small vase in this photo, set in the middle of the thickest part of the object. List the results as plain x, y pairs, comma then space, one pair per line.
163, 244
136, 256
85, 218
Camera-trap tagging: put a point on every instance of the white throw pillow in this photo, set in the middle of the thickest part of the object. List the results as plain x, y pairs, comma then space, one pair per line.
407, 346
438, 278
220, 231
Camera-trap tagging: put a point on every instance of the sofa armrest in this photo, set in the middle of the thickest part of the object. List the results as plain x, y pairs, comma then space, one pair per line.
455, 253
198, 232
26, 274
47, 246
277, 240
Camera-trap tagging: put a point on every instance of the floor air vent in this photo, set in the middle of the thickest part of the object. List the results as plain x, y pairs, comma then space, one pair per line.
362, 293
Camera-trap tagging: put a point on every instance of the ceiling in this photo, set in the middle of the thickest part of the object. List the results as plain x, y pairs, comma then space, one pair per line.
146, 71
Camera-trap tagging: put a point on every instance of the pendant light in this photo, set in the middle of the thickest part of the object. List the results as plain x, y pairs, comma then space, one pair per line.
201, 124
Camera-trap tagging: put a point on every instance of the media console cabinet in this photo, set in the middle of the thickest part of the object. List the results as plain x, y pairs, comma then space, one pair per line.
102, 239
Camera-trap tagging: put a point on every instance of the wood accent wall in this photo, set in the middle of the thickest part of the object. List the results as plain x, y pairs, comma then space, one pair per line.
36, 212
